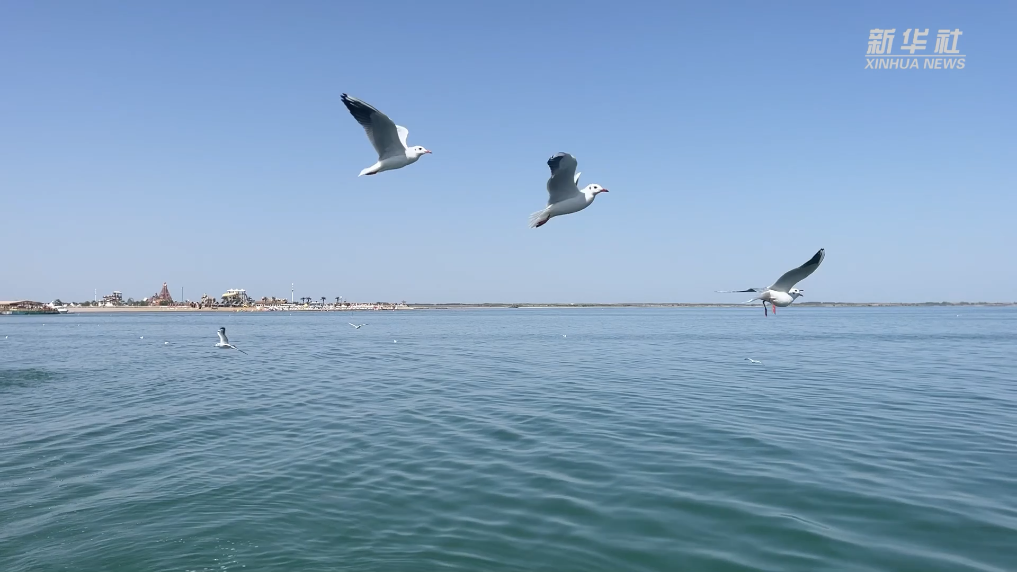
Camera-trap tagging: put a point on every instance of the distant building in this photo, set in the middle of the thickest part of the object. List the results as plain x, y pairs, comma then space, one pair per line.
236, 298
273, 301
114, 299
162, 296
208, 301
25, 307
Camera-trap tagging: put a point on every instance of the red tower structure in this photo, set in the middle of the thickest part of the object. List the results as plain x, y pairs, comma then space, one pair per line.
163, 295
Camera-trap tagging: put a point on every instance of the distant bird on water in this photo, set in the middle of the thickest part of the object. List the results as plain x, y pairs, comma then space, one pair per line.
389, 139
224, 342
564, 195
357, 326
781, 292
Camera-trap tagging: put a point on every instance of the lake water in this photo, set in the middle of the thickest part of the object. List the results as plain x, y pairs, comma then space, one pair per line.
868, 439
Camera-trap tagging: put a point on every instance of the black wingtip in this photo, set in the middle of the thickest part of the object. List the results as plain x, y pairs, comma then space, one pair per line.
555, 160
360, 110
816, 258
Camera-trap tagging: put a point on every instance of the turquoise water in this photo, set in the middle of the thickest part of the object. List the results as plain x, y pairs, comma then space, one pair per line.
868, 439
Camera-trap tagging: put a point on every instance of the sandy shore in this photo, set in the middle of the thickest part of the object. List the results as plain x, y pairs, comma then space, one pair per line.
170, 309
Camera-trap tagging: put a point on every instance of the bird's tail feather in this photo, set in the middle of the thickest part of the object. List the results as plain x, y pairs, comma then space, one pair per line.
539, 217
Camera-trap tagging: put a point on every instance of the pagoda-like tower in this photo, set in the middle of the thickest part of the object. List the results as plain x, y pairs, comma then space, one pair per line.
164, 294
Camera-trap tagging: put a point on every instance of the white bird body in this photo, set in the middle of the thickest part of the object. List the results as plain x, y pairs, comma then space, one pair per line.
564, 194
775, 298
390, 163
357, 326
224, 342
753, 360
780, 293
388, 139
572, 204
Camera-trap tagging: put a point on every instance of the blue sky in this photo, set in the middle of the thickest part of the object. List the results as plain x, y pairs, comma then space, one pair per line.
204, 144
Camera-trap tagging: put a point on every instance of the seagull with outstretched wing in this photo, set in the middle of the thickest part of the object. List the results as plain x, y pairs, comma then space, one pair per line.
564, 194
389, 139
782, 292
224, 342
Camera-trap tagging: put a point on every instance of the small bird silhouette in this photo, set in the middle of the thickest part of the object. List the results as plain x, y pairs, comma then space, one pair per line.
753, 360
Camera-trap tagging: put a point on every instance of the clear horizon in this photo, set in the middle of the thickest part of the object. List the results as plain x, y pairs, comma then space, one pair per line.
206, 146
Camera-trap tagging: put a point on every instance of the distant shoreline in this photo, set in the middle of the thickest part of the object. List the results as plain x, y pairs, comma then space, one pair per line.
454, 306
458, 306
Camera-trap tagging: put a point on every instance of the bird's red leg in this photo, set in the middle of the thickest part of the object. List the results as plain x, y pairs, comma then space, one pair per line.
774, 308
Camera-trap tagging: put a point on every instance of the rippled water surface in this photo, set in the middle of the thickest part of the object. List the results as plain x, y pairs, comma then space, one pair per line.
583, 439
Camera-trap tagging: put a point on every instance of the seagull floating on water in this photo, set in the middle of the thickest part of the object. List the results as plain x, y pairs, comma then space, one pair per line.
753, 360
224, 342
357, 326
781, 292
389, 139
564, 195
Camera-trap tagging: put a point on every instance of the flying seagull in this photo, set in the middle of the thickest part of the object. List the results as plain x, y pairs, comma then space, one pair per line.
753, 360
564, 195
224, 342
357, 326
389, 139
781, 292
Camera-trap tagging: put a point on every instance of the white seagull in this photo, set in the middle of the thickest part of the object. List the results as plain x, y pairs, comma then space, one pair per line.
781, 292
224, 342
564, 196
357, 326
389, 139
753, 360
